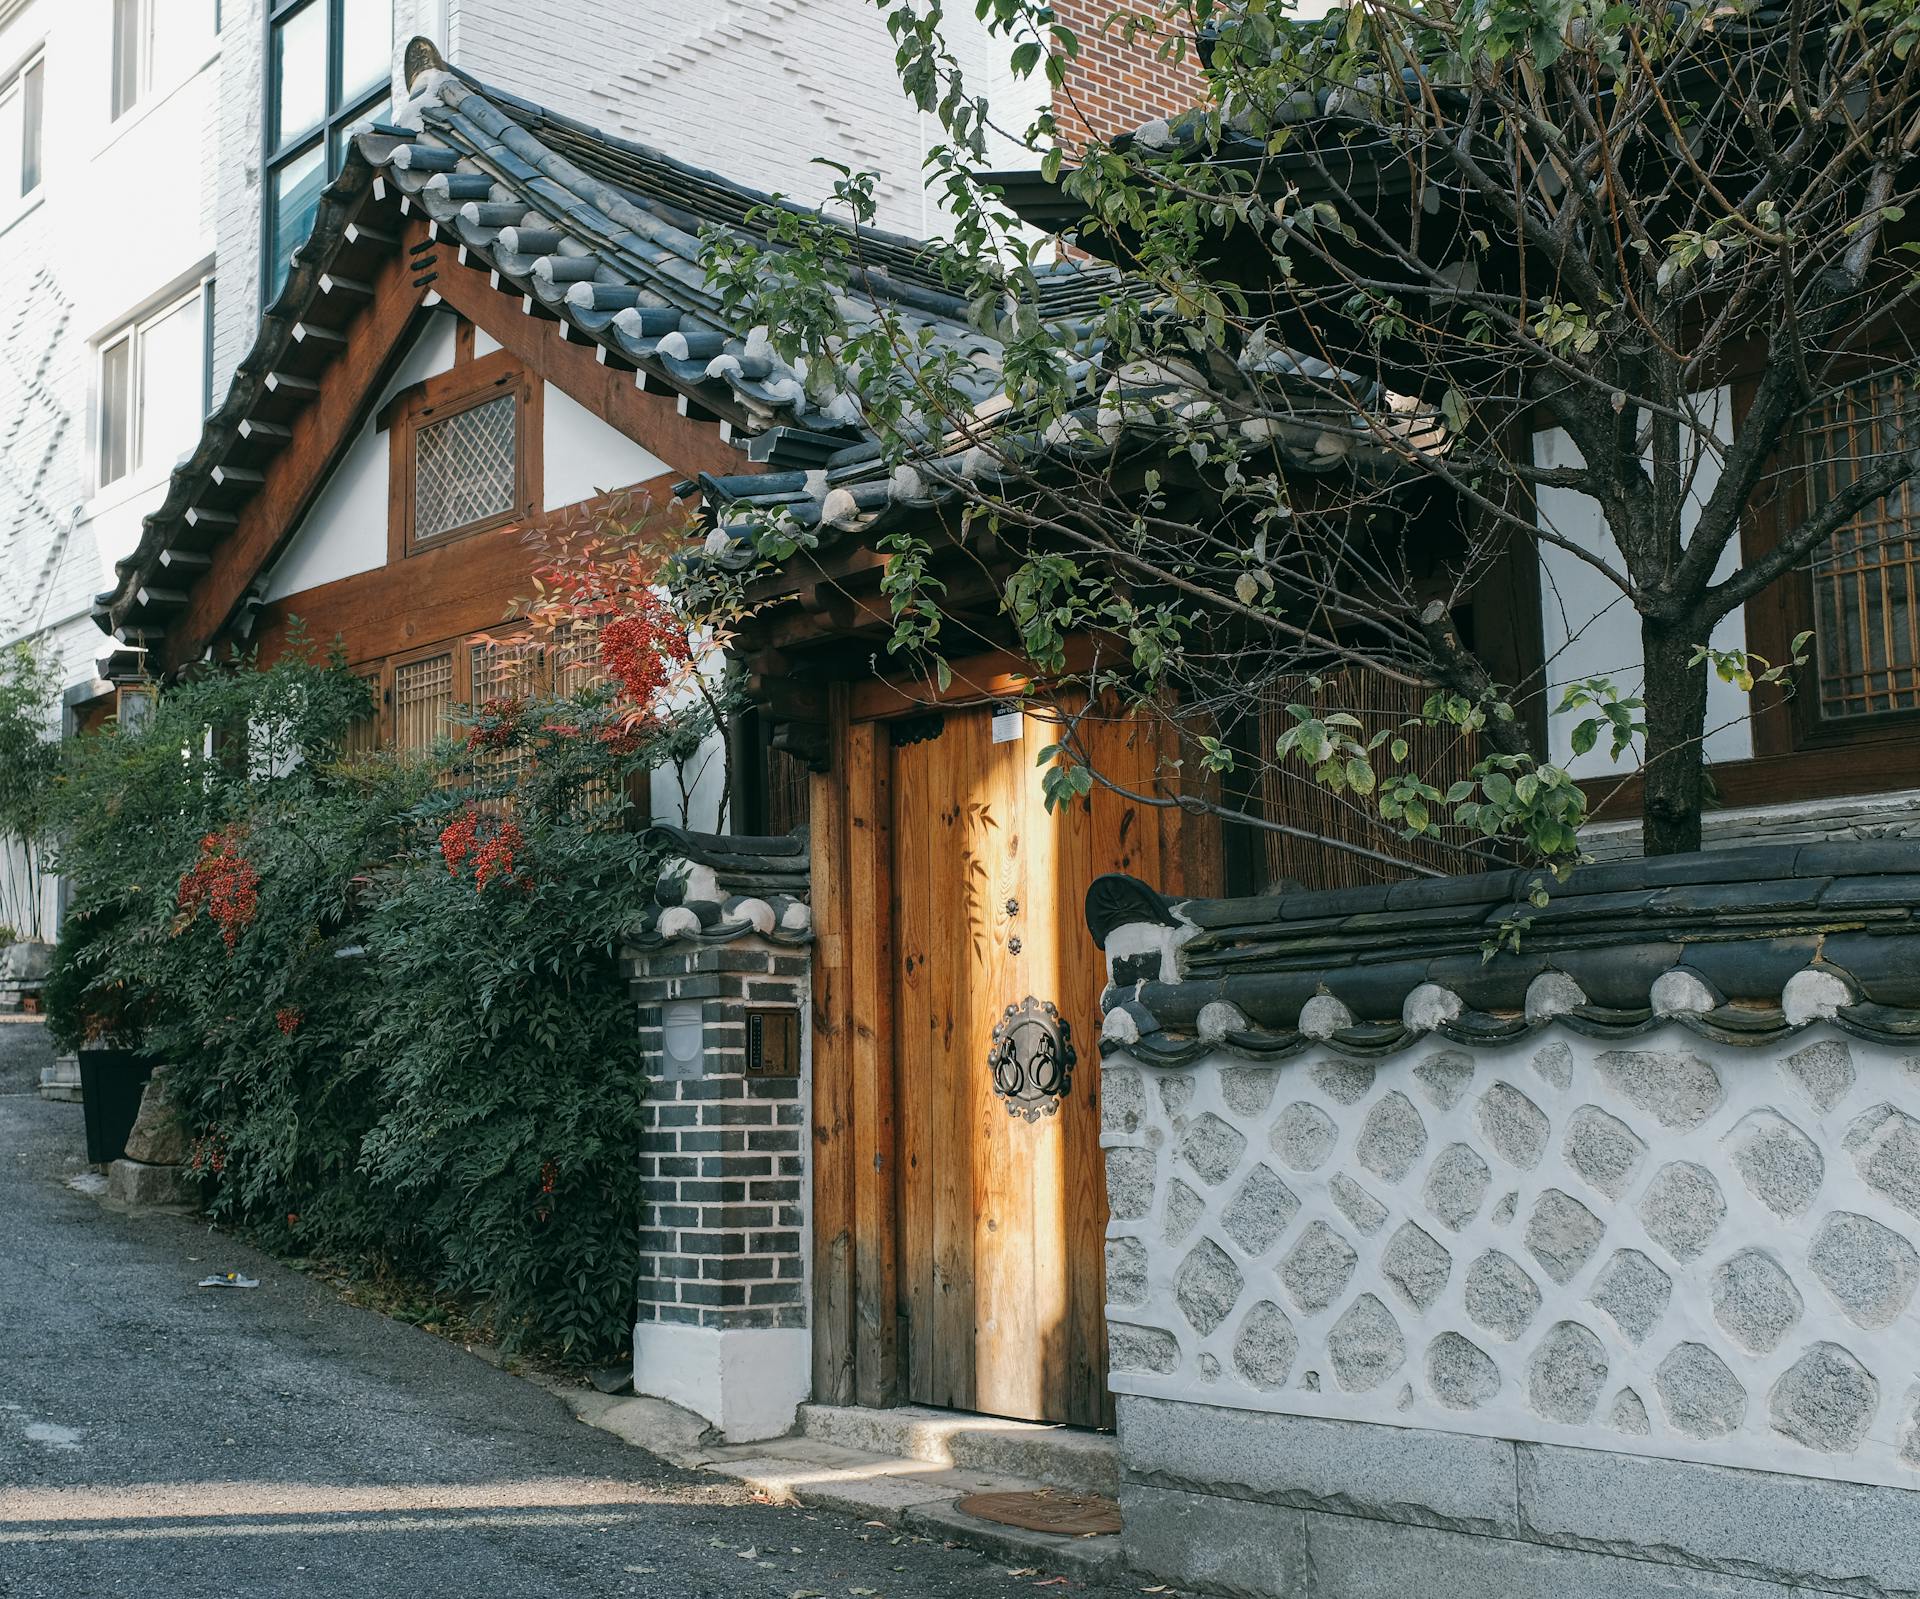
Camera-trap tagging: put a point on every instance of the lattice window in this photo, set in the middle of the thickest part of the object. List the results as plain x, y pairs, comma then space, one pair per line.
576, 660
463, 467
422, 701
503, 672
1865, 617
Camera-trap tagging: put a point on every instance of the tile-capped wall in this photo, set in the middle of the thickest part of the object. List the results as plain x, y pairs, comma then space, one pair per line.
1656, 1246
723, 1159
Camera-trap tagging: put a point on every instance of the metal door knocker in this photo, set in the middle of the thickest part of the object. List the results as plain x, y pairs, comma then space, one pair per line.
1032, 1058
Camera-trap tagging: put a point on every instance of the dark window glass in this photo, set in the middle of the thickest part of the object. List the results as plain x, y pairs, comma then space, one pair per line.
299, 73
366, 45
328, 64
116, 411
292, 202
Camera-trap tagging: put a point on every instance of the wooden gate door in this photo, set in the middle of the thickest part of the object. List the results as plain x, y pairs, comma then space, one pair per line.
1001, 1220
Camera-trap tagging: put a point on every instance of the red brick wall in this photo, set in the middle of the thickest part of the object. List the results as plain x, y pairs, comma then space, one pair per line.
1114, 86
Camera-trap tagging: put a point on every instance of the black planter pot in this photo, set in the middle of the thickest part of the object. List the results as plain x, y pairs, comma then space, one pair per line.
111, 1083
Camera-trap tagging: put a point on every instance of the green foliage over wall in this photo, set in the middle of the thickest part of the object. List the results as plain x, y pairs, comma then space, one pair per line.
392, 1008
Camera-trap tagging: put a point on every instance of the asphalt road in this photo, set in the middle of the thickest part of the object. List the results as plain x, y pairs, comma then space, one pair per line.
161, 1439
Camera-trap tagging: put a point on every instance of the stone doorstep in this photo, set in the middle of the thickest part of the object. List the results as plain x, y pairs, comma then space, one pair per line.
1061, 1457
918, 1496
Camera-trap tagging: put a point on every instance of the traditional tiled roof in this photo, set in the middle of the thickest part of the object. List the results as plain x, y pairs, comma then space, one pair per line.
1739, 945
605, 236
1295, 405
714, 888
598, 233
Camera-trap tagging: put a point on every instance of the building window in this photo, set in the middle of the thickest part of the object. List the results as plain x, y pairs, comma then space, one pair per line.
1866, 619
423, 701
463, 453
328, 65
22, 115
156, 43
153, 388
463, 468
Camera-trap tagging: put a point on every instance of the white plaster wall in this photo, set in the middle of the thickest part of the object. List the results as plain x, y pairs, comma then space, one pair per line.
1591, 630
345, 530
1299, 1239
584, 456
695, 793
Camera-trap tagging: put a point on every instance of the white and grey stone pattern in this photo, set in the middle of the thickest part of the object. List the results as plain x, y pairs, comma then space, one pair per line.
1522, 1244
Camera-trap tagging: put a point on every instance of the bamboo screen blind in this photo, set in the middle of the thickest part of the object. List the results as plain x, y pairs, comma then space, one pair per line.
1289, 794
1866, 625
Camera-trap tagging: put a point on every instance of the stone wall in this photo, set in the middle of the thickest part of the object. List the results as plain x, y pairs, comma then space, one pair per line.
1555, 1297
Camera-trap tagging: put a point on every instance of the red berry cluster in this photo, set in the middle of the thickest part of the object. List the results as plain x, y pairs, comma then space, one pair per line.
497, 726
457, 839
639, 648
288, 1019
493, 857
224, 882
210, 1151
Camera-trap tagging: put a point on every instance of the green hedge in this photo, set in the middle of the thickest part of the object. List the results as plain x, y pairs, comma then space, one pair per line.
394, 1019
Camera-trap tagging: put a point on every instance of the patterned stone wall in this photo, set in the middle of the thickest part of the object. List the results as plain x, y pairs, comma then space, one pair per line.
1658, 1246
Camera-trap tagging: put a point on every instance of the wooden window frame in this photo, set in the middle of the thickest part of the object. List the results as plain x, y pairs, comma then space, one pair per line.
1791, 724
468, 384
458, 684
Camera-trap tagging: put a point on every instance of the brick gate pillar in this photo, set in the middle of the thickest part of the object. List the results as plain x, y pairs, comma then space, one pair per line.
721, 974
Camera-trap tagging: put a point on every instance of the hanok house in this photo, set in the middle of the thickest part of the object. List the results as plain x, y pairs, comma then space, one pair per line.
958, 1210
500, 316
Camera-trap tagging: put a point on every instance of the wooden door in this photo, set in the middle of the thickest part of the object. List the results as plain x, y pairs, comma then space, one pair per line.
1001, 1221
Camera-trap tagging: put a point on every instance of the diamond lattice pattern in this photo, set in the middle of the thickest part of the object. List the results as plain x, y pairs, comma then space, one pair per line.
463, 468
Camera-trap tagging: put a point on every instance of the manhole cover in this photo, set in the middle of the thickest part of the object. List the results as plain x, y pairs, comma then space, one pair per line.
1071, 1515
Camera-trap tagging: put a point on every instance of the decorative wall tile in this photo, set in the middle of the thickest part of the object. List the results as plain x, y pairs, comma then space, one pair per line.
1676, 1249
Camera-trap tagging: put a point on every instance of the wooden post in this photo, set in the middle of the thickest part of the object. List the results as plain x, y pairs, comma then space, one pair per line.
833, 1122
870, 946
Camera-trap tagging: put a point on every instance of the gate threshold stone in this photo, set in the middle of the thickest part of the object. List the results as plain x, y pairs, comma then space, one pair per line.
915, 1495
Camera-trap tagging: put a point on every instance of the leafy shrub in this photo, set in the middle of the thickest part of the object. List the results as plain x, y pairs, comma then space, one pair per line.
389, 996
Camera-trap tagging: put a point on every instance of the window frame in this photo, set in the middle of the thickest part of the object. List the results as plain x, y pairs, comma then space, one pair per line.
142, 93
1792, 723
131, 332
14, 87
338, 114
466, 385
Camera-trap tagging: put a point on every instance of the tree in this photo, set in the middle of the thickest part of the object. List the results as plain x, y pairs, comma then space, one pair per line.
1295, 441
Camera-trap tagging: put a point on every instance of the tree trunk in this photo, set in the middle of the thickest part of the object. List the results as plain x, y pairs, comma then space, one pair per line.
1676, 716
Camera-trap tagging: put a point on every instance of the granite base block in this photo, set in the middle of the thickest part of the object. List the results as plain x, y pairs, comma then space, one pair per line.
1219, 1546
1351, 1558
1832, 1537
1357, 1468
